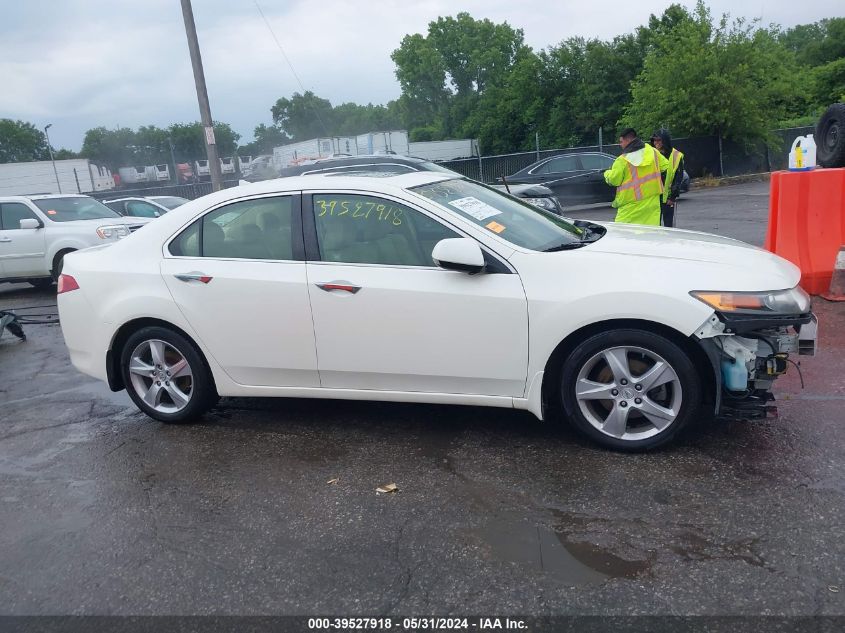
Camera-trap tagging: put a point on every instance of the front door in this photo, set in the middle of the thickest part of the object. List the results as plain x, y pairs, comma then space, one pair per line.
238, 277
386, 318
21, 250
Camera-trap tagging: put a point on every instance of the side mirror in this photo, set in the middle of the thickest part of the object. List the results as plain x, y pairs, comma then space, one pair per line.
459, 253
30, 223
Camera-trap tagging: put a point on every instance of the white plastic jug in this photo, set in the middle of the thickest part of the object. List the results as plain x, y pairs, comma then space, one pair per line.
802, 155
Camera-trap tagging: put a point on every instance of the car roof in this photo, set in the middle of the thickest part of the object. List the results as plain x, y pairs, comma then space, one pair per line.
342, 181
360, 159
46, 196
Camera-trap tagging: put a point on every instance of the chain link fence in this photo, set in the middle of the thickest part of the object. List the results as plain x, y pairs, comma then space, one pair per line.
703, 156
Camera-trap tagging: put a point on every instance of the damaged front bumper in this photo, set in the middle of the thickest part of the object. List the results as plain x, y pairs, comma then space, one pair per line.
748, 353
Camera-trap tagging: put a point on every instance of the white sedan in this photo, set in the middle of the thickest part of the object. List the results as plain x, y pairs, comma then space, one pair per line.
427, 287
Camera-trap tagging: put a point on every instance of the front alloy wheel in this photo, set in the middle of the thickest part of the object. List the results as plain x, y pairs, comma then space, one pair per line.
630, 389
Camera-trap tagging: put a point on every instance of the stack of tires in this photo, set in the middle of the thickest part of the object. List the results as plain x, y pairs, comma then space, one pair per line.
830, 137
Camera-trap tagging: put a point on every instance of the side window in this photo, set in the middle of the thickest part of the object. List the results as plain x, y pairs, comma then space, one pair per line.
251, 229
11, 214
360, 229
140, 209
119, 207
564, 163
188, 242
595, 161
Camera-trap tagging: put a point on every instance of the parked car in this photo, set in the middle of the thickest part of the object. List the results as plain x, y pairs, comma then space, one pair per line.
168, 202
136, 207
428, 287
37, 232
384, 163
576, 178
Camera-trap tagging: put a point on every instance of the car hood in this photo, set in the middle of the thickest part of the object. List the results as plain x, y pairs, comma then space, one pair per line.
527, 190
693, 246
98, 222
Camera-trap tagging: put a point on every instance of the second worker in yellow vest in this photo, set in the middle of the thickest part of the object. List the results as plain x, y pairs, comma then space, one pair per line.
636, 176
674, 176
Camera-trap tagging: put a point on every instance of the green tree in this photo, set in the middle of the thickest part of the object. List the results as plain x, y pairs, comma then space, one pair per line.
266, 137
303, 116
817, 43
737, 81
21, 142
444, 74
189, 140
64, 154
110, 148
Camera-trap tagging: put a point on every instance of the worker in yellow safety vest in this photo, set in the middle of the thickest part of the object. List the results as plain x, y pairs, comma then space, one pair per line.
673, 178
636, 176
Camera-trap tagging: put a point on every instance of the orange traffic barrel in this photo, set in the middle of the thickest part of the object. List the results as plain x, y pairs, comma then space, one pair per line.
807, 222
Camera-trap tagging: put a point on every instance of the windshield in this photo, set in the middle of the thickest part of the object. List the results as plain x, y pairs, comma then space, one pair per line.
518, 222
171, 202
76, 208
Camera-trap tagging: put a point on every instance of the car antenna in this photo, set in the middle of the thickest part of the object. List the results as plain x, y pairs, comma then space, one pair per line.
506, 184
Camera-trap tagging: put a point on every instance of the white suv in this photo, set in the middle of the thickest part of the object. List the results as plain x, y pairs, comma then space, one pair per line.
36, 232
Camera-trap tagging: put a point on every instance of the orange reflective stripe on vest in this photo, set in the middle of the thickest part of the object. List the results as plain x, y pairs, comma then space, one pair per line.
637, 182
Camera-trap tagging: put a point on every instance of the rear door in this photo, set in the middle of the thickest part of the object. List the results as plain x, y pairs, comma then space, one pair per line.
22, 251
238, 276
386, 318
597, 189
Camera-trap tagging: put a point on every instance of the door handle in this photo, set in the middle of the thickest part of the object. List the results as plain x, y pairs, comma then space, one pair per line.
5, 239
193, 276
328, 286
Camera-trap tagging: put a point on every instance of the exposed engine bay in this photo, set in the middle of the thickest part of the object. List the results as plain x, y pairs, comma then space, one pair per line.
749, 353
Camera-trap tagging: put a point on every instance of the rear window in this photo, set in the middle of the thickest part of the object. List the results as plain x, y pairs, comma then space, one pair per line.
76, 208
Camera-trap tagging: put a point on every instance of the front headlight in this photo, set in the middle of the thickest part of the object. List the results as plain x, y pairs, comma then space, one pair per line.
544, 203
112, 232
793, 301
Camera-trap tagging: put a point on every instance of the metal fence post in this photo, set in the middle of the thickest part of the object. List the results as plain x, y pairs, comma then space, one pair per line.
480, 169
537, 143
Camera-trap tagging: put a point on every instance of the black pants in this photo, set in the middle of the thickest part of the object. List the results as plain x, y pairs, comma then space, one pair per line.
667, 215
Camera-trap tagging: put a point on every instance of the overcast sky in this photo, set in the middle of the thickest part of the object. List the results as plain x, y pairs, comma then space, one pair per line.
82, 63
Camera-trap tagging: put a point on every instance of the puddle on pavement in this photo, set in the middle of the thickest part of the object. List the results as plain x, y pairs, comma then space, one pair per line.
572, 562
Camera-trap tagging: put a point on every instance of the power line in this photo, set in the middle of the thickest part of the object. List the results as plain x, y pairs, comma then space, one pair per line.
290, 65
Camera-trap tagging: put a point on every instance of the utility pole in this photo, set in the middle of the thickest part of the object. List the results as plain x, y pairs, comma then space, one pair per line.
52, 160
202, 96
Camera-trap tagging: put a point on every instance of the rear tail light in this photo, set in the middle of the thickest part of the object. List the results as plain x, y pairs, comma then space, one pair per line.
66, 284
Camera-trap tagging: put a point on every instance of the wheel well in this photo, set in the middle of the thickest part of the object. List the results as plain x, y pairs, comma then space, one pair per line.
58, 256
115, 376
554, 366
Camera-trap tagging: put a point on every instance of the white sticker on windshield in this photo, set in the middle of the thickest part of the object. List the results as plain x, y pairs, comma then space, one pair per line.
475, 208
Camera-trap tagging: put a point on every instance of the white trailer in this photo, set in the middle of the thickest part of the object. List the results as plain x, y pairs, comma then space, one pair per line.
202, 168
75, 175
314, 149
132, 175
227, 165
445, 150
395, 142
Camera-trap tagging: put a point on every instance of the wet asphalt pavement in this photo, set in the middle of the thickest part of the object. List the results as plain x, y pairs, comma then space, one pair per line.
104, 511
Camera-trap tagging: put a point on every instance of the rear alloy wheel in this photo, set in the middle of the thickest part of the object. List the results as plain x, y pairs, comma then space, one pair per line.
630, 390
165, 375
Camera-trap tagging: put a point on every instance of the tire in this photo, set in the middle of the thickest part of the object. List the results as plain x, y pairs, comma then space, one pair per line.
830, 137
636, 419
58, 264
182, 395
41, 284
